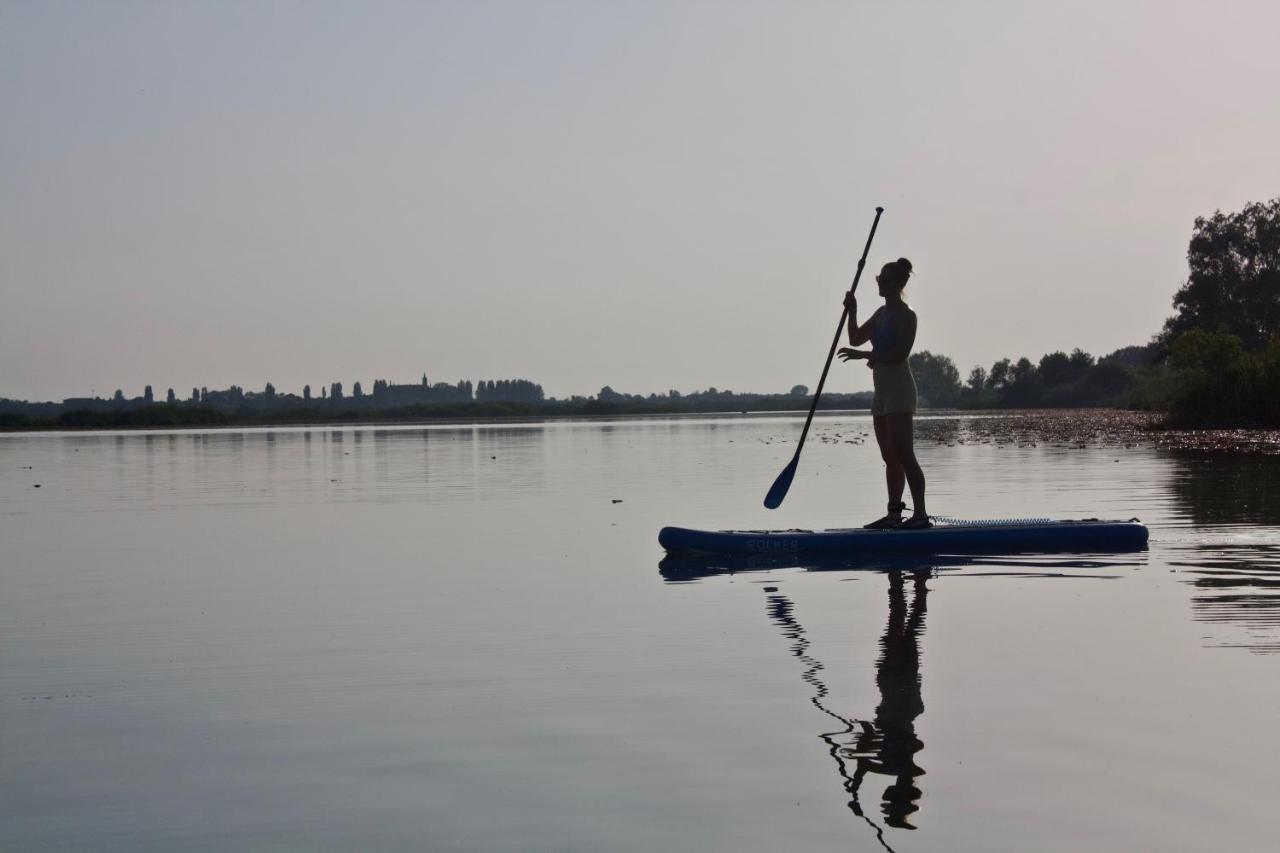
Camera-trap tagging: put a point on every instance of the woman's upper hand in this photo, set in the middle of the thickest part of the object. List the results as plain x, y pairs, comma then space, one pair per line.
851, 302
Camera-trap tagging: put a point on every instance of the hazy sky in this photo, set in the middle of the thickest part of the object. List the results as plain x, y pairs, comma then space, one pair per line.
640, 194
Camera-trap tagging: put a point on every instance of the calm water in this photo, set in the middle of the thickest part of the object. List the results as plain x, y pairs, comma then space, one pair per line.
460, 638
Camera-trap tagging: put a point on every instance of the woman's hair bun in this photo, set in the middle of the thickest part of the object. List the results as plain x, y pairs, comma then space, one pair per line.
905, 266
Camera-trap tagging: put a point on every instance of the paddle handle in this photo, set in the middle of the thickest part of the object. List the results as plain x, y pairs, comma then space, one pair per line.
844, 315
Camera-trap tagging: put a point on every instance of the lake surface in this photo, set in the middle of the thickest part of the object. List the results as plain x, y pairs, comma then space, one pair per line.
461, 638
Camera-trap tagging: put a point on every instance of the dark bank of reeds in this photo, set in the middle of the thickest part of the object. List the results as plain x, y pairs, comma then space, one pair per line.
184, 415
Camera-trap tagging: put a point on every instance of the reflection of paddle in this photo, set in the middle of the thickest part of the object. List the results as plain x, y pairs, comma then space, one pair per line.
773, 500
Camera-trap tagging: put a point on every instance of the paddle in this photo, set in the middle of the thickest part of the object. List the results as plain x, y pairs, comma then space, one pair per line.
782, 485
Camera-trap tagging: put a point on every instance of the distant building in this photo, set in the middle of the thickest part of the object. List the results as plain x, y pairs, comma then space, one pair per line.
72, 404
386, 394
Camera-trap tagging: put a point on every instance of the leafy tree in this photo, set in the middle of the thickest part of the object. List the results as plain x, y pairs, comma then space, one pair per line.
1213, 353
999, 375
1233, 281
195, 395
509, 390
1106, 383
147, 395
1080, 361
306, 392
1213, 372
800, 391
1055, 368
1024, 385
171, 397
335, 391
1135, 356
977, 379
936, 377
118, 396
357, 391
269, 392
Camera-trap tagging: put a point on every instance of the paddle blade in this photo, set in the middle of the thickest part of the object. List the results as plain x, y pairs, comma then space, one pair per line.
782, 485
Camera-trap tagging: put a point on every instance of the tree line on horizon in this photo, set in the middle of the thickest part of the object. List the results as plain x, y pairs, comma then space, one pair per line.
1215, 363
489, 398
1057, 380
234, 398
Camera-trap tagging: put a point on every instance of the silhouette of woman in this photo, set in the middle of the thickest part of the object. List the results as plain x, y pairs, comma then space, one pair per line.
892, 332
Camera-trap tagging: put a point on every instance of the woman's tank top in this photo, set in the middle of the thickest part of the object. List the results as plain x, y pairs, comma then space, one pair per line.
881, 332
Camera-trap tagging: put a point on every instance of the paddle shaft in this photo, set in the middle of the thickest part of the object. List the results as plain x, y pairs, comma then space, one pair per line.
844, 315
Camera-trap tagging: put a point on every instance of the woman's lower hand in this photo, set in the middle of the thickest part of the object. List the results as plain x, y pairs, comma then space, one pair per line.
849, 354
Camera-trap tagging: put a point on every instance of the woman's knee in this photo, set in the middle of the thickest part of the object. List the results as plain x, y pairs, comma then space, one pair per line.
900, 441
889, 451
890, 456
884, 440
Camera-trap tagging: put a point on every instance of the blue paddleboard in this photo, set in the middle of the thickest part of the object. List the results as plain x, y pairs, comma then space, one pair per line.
952, 537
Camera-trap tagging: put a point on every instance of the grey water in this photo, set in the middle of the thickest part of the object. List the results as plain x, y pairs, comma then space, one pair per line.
464, 637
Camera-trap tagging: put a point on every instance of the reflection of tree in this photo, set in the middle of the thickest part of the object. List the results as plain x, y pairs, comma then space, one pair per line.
1226, 488
886, 745
1236, 583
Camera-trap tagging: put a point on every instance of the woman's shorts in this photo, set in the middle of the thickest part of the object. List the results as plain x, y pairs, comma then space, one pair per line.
895, 389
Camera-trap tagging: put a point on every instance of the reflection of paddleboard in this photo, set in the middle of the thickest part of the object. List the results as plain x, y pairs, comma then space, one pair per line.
953, 537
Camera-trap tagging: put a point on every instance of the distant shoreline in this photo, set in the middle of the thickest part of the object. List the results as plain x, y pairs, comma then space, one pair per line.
231, 425
195, 416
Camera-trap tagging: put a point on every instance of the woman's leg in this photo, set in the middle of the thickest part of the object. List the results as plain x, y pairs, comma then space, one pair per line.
894, 477
899, 427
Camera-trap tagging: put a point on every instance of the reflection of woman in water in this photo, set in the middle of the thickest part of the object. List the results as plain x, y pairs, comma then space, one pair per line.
892, 332
888, 744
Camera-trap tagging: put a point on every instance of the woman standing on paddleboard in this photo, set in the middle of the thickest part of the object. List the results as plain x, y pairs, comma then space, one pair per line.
892, 332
